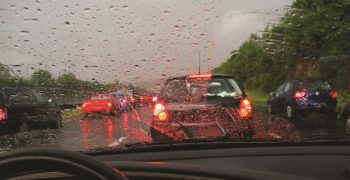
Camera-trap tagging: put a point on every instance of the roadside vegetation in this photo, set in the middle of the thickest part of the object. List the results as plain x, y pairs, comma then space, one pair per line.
310, 42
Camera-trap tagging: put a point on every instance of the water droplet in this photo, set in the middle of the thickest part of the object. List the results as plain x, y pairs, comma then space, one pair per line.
31, 19
24, 31
166, 12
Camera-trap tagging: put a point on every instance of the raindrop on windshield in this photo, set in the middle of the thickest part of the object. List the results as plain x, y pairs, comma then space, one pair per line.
166, 12
24, 31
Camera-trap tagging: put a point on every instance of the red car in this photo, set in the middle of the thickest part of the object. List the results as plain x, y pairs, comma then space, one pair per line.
101, 103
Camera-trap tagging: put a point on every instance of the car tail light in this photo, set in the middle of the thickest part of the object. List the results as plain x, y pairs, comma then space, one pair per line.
245, 108
159, 112
299, 94
85, 104
163, 116
109, 104
159, 107
3, 114
333, 93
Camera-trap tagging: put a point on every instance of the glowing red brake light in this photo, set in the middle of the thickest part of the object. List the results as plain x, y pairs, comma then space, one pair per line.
160, 112
109, 104
200, 76
159, 107
162, 116
300, 94
3, 114
245, 108
333, 93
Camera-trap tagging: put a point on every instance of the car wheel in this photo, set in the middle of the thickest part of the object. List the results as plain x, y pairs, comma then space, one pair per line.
57, 124
289, 112
23, 127
269, 108
347, 125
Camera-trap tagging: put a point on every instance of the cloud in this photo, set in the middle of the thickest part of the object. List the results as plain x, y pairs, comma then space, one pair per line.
238, 22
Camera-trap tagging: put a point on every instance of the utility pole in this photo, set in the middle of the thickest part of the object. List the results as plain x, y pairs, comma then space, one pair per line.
199, 62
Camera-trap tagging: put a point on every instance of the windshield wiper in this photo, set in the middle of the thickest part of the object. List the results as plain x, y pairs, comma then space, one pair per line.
188, 132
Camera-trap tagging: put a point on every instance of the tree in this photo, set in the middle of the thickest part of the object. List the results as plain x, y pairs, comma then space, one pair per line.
42, 78
5, 75
312, 40
68, 81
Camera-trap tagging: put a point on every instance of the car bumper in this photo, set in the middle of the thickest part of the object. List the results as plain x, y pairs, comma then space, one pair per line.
96, 109
321, 107
173, 130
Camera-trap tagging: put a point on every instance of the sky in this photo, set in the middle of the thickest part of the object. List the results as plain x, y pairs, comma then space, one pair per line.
132, 41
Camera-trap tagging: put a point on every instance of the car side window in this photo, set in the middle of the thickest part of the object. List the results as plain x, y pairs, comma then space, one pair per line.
289, 86
280, 89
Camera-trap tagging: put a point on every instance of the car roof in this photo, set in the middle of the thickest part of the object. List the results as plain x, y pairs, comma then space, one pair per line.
306, 81
199, 75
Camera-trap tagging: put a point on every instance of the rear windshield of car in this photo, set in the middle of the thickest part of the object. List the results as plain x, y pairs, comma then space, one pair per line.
100, 97
315, 85
182, 89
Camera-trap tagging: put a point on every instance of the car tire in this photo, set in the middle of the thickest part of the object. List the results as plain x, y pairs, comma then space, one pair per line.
347, 124
57, 124
269, 108
23, 127
290, 112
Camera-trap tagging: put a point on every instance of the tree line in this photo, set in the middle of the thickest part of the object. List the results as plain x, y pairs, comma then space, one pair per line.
311, 41
44, 79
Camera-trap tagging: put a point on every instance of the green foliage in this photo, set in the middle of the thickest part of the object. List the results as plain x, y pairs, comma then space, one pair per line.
311, 41
42, 78
5, 75
68, 81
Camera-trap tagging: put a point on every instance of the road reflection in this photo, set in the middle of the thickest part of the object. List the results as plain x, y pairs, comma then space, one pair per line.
85, 133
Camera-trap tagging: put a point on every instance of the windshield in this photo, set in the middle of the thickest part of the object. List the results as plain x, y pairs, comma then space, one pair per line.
90, 74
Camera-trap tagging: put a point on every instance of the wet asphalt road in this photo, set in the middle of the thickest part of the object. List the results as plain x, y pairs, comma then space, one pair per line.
104, 130
134, 126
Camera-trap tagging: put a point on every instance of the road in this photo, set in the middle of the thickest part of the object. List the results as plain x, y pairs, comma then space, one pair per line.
102, 131
132, 127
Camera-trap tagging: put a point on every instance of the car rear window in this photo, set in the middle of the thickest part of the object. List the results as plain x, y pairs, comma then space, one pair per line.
315, 85
100, 97
182, 89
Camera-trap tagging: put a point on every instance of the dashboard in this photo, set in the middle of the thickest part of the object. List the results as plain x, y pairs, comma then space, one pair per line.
288, 162
218, 162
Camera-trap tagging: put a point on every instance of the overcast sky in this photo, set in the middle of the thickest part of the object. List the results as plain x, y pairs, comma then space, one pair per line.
130, 40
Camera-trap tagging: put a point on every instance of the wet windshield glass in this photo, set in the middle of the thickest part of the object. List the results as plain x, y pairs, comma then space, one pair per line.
91, 74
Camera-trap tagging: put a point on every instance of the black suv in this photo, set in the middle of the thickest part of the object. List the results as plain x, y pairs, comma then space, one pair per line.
23, 109
301, 97
201, 106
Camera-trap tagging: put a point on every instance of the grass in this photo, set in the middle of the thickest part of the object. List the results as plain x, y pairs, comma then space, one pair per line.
69, 114
259, 100
257, 97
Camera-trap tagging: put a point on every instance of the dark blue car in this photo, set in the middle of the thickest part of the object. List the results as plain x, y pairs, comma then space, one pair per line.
301, 97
